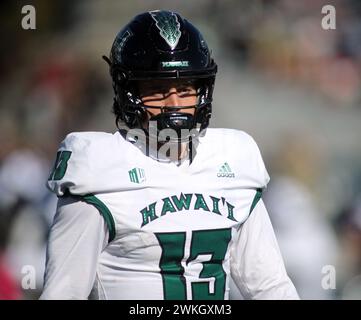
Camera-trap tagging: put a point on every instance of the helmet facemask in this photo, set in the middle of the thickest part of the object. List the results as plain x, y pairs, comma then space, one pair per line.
135, 113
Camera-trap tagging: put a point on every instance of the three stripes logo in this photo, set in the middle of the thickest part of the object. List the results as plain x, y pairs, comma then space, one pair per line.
136, 175
225, 171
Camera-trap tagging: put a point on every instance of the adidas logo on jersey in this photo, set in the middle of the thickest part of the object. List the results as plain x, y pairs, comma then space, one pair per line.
136, 175
225, 171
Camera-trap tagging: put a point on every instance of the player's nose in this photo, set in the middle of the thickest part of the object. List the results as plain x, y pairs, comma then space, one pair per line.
172, 99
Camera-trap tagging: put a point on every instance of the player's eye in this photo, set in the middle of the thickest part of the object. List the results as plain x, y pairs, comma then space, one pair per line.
186, 90
152, 92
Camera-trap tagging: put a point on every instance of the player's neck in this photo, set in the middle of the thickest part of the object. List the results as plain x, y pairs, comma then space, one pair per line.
162, 151
174, 152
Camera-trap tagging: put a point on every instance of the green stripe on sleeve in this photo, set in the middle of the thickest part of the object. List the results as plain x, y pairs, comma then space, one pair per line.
256, 198
104, 211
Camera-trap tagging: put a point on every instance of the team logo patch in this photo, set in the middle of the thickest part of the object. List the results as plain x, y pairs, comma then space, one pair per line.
225, 171
136, 175
168, 25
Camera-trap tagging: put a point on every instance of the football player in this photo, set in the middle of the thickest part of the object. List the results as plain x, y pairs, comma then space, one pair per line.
136, 220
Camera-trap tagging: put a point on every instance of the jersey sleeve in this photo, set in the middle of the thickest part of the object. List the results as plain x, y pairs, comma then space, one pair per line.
71, 171
257, 266
77, 237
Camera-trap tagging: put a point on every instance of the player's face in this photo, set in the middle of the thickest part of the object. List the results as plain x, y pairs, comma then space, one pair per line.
168, 94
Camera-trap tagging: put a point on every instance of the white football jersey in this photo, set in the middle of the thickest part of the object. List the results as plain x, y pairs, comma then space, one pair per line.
171, 227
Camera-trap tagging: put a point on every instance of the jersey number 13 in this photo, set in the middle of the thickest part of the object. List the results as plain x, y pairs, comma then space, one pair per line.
194, 271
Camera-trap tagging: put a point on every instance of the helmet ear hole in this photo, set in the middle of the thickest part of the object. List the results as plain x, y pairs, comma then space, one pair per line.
121, 77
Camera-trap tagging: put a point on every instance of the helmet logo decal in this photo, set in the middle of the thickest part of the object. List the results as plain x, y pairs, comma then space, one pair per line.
168, 25
120, 42
170, 64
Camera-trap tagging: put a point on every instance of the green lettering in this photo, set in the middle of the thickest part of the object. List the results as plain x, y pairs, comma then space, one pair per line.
200, 203
215, 205
230, 212
167, 206
183, 202
148, 214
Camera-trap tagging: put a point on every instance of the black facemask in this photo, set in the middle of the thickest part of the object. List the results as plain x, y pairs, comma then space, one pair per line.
180, 123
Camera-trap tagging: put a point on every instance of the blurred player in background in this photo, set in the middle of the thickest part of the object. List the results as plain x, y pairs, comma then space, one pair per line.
164, 208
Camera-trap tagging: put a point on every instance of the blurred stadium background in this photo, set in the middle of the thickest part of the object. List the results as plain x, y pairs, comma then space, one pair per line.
292, 85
